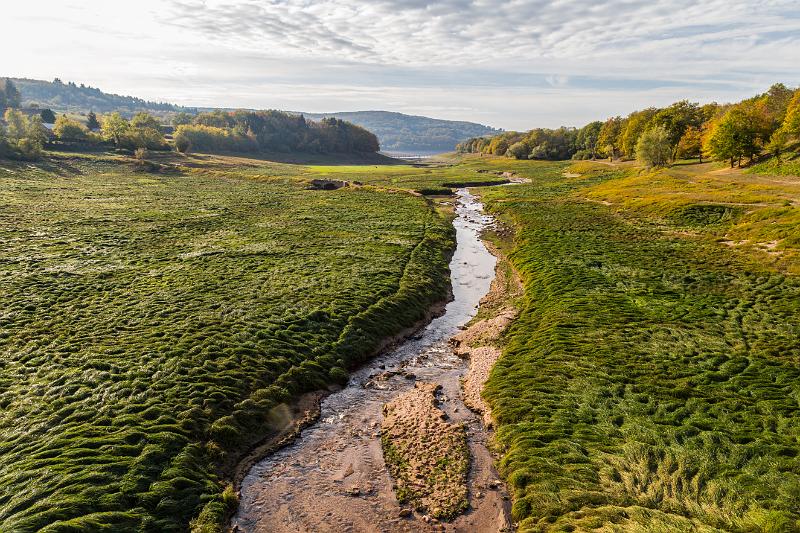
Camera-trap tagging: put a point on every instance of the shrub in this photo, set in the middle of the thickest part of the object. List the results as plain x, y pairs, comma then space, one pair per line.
66, 129
518, 150
581, 155
140, 155
29, 149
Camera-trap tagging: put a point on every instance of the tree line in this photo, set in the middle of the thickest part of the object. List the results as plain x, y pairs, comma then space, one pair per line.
23, 135
730, 132
269, 131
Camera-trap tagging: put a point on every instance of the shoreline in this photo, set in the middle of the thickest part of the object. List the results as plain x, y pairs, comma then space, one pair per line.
424, 415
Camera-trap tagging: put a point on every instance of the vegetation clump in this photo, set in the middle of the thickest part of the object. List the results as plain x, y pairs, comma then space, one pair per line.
653, 148
649, 380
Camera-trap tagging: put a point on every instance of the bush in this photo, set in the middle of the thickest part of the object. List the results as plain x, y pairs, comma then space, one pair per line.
29, 149
66, 129
582, 155
518, 150
140, 155
148, 138
24, 136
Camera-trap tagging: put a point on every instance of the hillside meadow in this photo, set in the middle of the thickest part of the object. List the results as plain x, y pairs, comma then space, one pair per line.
154, 316
651, 381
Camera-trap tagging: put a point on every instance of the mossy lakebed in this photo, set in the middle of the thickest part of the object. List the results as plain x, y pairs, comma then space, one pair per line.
650, 381
151, 321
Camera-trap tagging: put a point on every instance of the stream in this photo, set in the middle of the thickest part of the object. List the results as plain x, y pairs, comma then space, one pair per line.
332, 478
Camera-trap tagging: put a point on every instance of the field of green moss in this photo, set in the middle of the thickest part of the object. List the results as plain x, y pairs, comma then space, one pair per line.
651, 381
153, 317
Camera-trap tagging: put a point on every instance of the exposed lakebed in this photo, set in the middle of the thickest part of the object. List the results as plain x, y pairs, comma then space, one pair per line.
333, 476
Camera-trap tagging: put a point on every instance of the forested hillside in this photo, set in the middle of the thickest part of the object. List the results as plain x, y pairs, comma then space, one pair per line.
737, 133
398, 132
23, 135
79, 98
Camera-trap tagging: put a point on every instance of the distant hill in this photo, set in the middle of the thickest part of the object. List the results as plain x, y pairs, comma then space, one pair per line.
412, 134
397, 132
72, 98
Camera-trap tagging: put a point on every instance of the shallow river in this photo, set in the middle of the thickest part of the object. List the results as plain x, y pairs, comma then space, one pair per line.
308, 485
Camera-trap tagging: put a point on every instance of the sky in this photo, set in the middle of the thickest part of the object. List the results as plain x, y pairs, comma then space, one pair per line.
513, 64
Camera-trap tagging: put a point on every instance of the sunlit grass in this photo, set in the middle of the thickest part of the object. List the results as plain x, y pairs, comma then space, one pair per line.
651, 379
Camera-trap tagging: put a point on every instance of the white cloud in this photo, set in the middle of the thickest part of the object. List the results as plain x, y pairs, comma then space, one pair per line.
515, 64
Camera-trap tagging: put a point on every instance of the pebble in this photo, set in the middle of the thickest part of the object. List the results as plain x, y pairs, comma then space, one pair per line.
404, 513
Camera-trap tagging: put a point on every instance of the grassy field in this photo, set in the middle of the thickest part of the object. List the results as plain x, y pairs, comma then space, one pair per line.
651, 381
151, 320
433, 178
154, 316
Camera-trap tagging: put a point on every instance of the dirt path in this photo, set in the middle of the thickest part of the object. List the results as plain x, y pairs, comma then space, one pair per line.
333, 477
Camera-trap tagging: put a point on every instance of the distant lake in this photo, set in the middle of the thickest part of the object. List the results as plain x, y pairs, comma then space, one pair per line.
409, 155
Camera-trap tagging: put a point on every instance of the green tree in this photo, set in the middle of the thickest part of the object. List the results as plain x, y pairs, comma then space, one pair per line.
637, 123
776, 103
48, 117
676, 119
36, 131
609, 137
4, 149
17, 124
67, 129
587, 138
181, 119
144, 133
691, 144
114, 127
144, 120
518, 150
653, 148
25, 136
143, 138
91, 121
12, 97
734, 136
777, 143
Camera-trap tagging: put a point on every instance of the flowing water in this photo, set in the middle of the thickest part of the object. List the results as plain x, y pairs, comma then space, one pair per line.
309, 485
